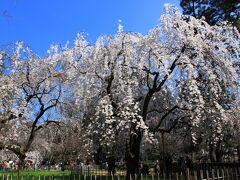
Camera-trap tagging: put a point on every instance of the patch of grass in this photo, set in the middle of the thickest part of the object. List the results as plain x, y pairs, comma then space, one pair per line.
60, 175
34, 173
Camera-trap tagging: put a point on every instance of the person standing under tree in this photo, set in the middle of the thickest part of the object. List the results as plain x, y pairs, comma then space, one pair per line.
111, 165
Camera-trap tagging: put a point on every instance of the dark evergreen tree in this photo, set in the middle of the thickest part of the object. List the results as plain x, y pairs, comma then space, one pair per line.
214, 11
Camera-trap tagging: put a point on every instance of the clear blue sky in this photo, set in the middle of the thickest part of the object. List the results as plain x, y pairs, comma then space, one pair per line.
39, 23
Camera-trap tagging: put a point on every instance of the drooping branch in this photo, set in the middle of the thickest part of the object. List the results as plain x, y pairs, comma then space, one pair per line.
165, 116
48, 122
155, 88
41, 112
169, 129
171, 69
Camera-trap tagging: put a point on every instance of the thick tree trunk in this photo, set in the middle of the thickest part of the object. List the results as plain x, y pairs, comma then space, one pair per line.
133, 154
163, 144
211, 152
218, 152
21, 164
133, 146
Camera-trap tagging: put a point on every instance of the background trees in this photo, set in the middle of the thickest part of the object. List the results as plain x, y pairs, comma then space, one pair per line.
213, 11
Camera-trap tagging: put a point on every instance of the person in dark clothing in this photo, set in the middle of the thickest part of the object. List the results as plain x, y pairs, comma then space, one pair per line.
162, 166
189, 163
62, 166
111, 165
168, 163
181, 165
145, 169
140, 166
